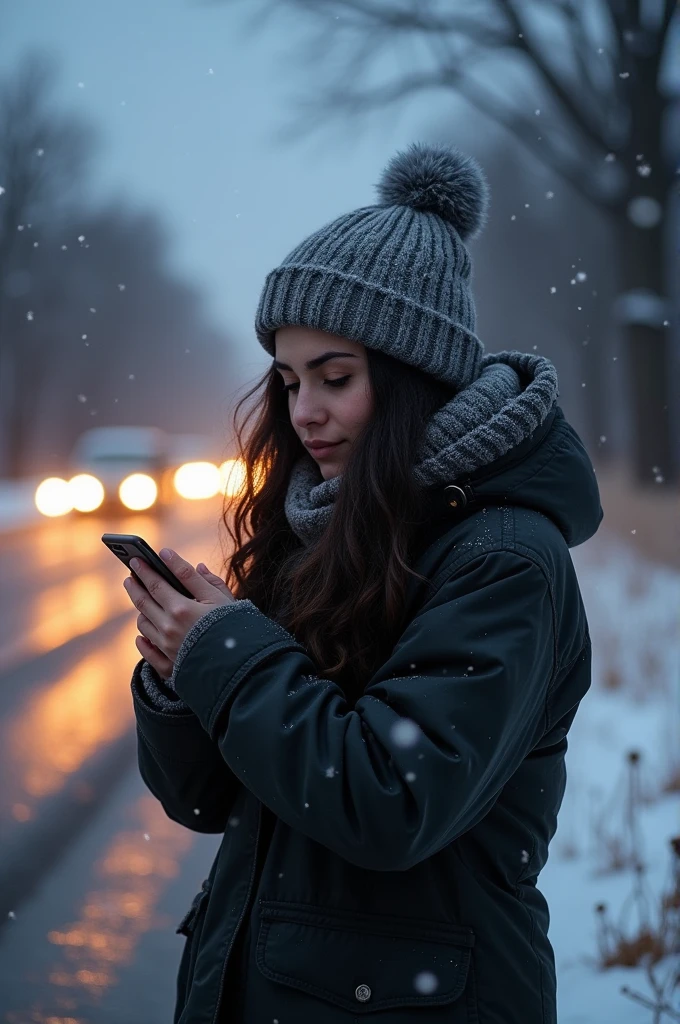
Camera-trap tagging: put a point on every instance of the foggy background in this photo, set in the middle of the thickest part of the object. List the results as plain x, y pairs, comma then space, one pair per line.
182, 143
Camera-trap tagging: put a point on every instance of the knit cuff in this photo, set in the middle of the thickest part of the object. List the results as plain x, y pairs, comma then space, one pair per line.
161, 696
199, 628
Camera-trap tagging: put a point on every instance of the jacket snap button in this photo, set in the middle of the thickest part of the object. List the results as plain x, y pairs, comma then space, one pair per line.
363, 993
455, 496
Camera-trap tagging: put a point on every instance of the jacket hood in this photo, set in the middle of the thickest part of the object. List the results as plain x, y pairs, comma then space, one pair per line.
549, 472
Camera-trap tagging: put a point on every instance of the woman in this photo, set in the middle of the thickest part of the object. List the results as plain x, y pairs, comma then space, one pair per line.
377, 717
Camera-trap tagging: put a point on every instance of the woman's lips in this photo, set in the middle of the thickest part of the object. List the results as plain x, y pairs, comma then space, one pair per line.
321, 453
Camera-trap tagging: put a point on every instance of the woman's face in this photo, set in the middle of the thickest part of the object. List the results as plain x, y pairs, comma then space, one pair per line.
329, 400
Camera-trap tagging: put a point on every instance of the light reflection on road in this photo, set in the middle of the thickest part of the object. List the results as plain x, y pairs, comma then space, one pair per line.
118, 907
82, 600
63, 725
60, 725
82, 586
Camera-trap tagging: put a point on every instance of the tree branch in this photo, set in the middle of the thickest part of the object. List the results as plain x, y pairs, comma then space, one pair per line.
556, 87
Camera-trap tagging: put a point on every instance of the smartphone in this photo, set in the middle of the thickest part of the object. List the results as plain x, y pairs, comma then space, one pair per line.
128, 545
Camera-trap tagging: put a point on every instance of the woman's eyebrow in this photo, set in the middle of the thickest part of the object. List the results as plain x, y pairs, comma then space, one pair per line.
317, 361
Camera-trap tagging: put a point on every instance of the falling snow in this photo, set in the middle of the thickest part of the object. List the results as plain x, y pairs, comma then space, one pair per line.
405, 733
426, 983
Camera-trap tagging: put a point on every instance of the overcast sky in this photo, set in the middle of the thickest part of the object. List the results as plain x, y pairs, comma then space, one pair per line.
187, 104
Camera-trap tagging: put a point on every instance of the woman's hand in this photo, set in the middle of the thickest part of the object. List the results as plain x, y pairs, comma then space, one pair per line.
165, 615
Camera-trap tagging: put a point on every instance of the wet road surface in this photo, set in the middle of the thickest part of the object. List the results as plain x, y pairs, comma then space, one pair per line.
93, 877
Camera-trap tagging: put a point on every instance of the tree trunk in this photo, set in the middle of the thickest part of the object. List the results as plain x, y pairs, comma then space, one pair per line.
646, 342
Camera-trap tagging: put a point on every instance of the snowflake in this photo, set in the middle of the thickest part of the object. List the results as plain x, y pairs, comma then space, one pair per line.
29, 315
553, 290
426, 983
405, 733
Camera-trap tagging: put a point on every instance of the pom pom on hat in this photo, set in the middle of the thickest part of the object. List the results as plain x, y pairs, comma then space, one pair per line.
438, 179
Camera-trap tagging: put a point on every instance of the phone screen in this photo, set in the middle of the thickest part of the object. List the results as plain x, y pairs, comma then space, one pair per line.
128, 545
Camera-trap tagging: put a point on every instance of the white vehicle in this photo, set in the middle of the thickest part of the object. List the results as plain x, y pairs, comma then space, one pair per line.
132, 465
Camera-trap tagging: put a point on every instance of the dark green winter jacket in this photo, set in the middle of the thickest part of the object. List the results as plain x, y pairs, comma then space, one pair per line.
380, 861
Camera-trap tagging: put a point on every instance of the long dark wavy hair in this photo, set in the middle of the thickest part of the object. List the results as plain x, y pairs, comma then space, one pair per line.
343, 596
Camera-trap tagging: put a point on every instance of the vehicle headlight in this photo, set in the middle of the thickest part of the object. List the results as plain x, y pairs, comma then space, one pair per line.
87, 493
197, 480
53, 497
138, 491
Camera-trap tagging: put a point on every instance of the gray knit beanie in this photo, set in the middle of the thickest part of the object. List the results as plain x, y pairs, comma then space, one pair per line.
394, 276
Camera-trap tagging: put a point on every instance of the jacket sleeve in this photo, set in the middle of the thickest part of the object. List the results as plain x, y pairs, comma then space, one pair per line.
179, 763
424, 753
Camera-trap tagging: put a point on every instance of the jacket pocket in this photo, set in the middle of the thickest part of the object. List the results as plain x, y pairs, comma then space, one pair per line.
363, 962
188, 922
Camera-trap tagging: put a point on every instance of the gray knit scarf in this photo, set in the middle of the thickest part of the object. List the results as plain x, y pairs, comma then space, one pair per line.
512, 396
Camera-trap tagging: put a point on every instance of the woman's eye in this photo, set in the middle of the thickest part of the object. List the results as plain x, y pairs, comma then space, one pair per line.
337, 383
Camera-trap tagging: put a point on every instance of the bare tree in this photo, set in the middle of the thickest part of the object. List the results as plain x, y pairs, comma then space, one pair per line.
42, 157
582, 84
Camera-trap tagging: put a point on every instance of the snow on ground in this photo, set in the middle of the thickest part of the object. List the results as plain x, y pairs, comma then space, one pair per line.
633, 610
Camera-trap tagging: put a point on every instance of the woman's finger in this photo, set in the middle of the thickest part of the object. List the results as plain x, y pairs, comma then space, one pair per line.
150, 631
216, 581
155, 657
